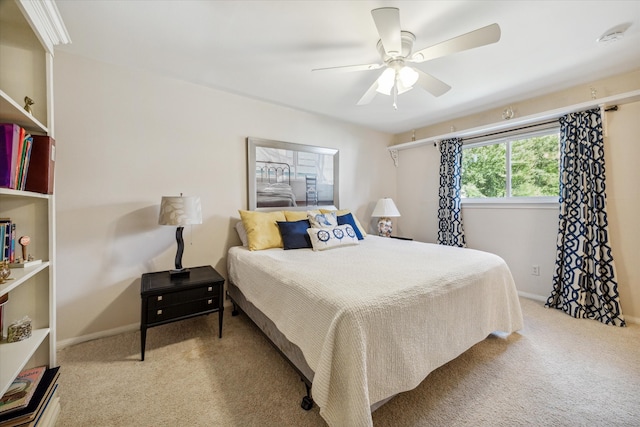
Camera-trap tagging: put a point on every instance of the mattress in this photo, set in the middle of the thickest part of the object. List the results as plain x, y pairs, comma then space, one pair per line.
374, 319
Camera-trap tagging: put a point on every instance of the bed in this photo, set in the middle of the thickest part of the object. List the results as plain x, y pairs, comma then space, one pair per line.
366, 321
273, 185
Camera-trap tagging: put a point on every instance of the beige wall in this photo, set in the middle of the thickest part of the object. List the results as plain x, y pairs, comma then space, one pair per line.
526, 235
125, 138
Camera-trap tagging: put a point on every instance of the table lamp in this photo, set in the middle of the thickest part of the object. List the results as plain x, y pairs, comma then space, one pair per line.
385, 209
180, 211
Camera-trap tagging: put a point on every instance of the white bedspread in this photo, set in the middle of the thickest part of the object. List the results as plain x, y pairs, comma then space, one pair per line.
375, 319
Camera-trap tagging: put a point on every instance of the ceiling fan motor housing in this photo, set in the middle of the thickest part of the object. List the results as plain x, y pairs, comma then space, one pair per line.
407, 40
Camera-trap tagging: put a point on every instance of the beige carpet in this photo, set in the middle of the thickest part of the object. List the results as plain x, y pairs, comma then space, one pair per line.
557, 371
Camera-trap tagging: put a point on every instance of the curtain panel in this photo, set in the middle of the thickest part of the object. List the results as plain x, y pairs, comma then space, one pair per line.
584, 281
450, 229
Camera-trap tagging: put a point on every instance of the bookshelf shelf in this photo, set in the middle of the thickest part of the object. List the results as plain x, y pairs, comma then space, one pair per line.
20, 276
14, 356
11, 112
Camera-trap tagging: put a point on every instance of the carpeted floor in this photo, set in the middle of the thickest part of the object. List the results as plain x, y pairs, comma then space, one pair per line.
557, 371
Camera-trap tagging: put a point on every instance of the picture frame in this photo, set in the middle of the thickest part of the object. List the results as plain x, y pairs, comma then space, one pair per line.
290, 176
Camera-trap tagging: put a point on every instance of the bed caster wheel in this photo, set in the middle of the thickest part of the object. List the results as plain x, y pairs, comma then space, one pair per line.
307, 403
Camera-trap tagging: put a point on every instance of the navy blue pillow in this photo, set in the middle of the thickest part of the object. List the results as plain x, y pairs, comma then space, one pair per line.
294, 234
348, 219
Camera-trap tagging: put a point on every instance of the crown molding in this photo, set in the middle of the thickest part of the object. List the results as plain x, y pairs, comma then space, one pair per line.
44, 17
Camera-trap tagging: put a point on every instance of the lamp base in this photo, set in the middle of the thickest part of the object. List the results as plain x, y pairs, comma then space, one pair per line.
385, 227
182, 272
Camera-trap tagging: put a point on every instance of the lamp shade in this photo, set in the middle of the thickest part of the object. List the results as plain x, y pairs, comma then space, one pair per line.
385, 208
180, 211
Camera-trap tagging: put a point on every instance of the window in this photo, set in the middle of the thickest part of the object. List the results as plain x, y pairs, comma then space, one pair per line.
525, 165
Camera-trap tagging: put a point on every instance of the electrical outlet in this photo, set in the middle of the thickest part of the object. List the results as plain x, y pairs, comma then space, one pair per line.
535, 270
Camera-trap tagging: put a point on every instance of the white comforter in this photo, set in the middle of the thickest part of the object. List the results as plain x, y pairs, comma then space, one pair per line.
375, 319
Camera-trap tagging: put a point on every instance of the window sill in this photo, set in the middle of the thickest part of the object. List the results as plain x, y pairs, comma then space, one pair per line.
512, 203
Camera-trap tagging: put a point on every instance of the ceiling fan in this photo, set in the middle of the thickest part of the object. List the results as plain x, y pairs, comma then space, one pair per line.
395, 48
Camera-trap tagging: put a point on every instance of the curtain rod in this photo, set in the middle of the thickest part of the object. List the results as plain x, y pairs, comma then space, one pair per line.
518, 129
535, 119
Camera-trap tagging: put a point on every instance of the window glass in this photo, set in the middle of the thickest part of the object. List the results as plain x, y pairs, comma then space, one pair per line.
534, 167
484, 171
524, 166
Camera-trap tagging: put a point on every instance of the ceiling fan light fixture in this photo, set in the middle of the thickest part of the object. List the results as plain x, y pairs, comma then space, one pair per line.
408, 76
386, 81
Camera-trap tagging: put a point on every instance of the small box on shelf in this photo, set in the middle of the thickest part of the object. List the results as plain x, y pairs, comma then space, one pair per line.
25, 264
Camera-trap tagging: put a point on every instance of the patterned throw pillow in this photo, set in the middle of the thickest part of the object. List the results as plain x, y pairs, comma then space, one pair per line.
327, 238
320, 220
348, 219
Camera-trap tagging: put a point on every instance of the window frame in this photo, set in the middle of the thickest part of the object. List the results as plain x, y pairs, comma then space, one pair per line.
508, 138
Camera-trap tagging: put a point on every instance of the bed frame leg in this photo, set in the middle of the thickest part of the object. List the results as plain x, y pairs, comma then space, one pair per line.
307, 401
235, 310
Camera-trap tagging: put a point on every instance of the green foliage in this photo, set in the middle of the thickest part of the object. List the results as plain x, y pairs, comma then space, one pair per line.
484, 171
534, 168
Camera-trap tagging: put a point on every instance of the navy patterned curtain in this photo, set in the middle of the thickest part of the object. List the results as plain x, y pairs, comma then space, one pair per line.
450, 230
584, 282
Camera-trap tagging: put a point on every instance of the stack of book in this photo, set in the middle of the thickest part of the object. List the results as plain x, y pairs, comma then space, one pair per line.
8, 240
32, 399
26, 161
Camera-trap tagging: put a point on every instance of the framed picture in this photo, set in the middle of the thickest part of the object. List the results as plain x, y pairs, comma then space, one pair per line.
284, 175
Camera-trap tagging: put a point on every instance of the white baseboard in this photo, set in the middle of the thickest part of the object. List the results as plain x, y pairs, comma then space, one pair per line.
628, 319
102, 334
532, 296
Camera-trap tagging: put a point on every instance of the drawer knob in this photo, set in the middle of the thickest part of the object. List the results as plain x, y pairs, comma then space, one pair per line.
210, 289
210, 301
159, 312
159, 297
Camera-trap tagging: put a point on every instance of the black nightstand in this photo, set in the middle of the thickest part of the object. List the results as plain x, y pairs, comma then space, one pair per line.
166, 299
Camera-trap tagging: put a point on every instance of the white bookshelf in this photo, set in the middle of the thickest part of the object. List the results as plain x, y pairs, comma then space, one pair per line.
30, 29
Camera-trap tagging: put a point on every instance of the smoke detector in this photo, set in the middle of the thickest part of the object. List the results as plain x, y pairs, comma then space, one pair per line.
614, 34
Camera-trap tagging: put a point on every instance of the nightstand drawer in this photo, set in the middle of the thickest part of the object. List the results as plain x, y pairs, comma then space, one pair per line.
179, 310
173, 298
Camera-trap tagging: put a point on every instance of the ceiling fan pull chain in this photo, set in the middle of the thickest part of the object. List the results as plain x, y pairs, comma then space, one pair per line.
395, 96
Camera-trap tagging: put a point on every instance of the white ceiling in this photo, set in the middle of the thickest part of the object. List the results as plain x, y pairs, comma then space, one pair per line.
267, 49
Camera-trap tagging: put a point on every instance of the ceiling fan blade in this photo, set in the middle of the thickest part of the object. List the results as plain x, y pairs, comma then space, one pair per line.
387, 20
369, 94
349, 68
480, 37
431, 84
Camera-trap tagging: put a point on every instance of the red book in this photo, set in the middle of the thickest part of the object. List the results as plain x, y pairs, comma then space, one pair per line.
42, 164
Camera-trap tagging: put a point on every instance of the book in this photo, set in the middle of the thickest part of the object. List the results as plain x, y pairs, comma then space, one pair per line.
9, 141
5, 240
24, 162
36, 407
41, 165
21, 390
12, 248
18, 160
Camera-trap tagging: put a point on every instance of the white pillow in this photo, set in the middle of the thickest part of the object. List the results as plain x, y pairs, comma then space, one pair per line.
242, 233
327, 238
322, 220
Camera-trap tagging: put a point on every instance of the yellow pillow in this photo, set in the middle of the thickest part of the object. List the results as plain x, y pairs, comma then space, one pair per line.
341, 212
298, 215
295, 215
262, 229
